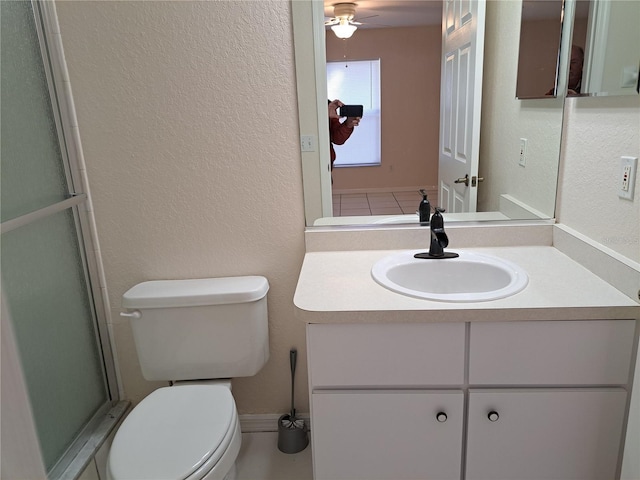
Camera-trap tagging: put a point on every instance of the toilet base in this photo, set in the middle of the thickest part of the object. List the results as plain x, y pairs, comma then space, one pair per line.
225, 468
232, 474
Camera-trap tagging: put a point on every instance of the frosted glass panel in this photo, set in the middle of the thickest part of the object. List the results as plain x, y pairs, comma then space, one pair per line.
32, 172
44, 283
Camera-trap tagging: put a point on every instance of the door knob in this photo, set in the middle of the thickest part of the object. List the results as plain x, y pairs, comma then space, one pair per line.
493, 416
441, 417
475, 180
464, 180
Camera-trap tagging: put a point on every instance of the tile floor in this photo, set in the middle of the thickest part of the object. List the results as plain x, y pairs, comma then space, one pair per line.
260, 459
378, 203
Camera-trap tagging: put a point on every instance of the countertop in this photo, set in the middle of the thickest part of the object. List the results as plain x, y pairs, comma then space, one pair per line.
337, 287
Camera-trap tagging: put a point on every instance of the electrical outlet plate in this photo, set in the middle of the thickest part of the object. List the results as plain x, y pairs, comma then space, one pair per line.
627, 177
523, 152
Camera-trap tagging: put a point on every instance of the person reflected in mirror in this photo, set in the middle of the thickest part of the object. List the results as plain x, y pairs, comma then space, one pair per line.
575, 70
339, 132
574, 82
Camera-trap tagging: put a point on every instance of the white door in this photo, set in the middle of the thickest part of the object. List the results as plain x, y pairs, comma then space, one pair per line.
387, 434
460, 100
544, 434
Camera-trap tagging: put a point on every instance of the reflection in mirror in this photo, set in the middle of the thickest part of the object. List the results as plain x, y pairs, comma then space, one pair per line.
608, 32
409, 59
515, 186
540, 35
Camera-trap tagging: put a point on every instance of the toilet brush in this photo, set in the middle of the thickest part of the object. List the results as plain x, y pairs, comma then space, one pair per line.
292, 433
292, 421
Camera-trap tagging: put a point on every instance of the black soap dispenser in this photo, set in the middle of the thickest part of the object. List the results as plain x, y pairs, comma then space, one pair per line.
424, 210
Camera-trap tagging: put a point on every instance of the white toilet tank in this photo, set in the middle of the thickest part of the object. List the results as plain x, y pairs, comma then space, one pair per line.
200, 329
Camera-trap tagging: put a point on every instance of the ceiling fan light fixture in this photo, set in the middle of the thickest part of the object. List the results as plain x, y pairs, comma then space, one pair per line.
344, 29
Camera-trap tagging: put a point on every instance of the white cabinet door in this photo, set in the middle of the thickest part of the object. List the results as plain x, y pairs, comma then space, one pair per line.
544, 434
395, 434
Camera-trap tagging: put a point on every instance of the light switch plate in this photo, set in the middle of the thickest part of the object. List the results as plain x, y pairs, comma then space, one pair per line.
308, 143
629, 77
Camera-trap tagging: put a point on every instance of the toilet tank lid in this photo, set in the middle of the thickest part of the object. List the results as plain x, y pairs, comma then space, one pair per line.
195, 292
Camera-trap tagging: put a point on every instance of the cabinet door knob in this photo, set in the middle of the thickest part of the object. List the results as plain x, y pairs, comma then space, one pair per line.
441, 417
493, 416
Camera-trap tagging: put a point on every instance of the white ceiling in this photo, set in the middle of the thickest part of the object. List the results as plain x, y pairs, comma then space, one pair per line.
405, 13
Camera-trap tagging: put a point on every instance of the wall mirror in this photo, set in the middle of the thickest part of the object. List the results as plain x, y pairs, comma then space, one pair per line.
540, 35
605, 57
607, 33
519, 140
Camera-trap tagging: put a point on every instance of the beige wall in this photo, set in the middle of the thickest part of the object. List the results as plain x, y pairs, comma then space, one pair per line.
410, 104
191, 144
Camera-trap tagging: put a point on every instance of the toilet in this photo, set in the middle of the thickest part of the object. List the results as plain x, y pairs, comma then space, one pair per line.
197, 334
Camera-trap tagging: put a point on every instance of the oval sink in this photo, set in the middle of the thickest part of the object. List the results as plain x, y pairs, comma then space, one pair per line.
472, 277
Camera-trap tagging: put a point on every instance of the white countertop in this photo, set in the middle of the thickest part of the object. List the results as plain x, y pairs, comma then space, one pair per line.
337, 287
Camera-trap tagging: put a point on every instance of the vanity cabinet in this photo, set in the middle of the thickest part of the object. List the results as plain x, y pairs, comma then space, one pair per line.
504, 400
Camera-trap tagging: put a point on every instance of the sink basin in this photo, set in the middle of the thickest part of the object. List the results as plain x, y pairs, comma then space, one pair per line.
472, 277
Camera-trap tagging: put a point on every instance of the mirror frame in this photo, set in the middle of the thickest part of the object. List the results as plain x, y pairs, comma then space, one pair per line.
310, 54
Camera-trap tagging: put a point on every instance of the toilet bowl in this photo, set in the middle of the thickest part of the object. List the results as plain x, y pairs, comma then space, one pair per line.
187, 431
197, 333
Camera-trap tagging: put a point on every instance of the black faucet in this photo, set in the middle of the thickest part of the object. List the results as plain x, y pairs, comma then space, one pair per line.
439, 239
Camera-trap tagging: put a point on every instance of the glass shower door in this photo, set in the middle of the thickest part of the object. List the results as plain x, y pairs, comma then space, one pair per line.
45, 279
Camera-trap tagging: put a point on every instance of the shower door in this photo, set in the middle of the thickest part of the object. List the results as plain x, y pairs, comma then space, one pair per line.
47, 261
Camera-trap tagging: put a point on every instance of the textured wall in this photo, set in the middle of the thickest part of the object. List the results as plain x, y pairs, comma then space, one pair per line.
191, 144
598, 131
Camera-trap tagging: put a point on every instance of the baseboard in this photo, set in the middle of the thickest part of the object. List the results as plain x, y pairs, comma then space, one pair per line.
253, 423
614, 268
432, 190
514, 208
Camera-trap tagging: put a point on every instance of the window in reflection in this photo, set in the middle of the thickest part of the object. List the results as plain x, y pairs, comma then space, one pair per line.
358, 83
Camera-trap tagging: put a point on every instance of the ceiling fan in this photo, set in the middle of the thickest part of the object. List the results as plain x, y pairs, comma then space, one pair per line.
343, 23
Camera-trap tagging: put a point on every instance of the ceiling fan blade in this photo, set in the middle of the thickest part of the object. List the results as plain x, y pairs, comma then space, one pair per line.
378, 25
368, 16
351, 22
333, 21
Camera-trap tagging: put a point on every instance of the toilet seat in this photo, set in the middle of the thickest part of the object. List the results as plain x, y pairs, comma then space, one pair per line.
177, 432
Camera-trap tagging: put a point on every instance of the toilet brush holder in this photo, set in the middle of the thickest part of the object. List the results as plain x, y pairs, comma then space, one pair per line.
292, 431
292, 438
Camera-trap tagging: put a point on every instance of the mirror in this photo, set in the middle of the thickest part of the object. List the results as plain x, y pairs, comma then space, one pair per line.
540, 35
608, 33
604, 50
515, 186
